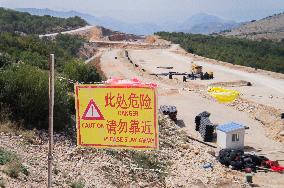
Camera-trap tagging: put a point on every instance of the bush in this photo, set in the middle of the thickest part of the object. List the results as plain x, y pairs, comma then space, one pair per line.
2, 183
6, 156
78, 184
70, 43
78, 71
25, 90
5, 60
13, 169
12, 163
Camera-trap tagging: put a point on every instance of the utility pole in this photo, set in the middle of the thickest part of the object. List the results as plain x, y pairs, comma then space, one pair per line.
50, 130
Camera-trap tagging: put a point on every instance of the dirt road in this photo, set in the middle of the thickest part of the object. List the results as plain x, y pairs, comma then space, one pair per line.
264, 90
190, 103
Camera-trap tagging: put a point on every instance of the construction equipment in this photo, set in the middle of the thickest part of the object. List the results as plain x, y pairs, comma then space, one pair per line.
196, 69
197, 72
165, 67
170, 74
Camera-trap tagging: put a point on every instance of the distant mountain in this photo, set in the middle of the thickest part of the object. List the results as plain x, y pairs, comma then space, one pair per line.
271, 28
206, 24
139, 28
199, 23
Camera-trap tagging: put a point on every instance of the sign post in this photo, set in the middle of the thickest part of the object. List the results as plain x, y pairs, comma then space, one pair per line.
116, 116
50, 130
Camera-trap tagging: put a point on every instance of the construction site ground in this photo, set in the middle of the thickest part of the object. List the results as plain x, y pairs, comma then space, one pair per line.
191, 98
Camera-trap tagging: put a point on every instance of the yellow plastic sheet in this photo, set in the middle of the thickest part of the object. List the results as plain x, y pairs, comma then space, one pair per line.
223, 95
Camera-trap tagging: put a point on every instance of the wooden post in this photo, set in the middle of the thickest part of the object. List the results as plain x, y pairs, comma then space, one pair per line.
50, 130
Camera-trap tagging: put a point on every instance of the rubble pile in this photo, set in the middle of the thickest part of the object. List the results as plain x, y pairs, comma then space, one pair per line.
239, 160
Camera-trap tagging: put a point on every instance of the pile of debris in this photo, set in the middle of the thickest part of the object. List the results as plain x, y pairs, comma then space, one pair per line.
239, 160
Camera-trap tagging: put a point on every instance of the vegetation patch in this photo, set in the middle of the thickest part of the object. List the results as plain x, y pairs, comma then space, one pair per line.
24, 78
267, 55
14, 21
2, 182
78, 184
12, 164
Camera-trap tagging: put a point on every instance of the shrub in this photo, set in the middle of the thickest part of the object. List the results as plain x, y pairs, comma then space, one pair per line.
6, 156
78, 184
2, 183
25, 90
13, 165
70, 43
78, 71
13, 169
5, 60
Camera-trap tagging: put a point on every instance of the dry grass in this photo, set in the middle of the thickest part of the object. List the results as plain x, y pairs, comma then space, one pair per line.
12, 164
29, 136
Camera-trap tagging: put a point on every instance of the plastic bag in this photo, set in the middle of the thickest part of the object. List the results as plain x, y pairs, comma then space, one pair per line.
223, 95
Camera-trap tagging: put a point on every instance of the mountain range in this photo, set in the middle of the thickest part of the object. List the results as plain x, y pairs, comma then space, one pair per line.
271, 28
199, 23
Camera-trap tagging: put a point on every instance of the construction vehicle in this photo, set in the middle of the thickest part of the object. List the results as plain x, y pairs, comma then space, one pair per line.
196, 69
197, 72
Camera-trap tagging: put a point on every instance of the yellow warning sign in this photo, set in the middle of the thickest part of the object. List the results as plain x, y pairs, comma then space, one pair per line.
116, 116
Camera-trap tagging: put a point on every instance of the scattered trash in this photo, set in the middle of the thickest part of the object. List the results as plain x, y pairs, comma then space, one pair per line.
248, 178
273, 165
223, 95
207, 165
239, 160
165, 67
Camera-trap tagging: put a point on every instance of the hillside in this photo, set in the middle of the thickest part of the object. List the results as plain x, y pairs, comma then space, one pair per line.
199, 23
24, 65
205, 24
14, 21
108, 22
271, 28
265, 55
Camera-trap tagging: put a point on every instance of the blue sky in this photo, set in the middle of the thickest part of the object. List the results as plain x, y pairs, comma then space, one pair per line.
159, 10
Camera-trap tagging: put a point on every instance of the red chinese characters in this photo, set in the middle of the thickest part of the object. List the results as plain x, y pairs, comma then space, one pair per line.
133, 101
132, 127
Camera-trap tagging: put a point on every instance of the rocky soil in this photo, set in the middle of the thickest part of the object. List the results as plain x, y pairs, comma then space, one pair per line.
178, 163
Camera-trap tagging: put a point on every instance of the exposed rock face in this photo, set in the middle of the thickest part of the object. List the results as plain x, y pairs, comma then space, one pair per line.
97, 33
